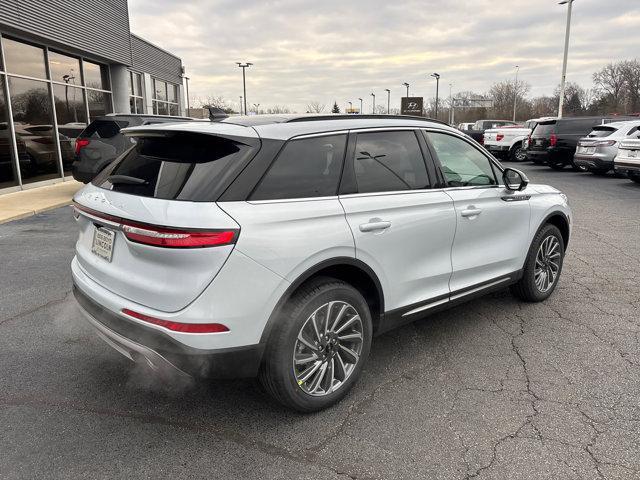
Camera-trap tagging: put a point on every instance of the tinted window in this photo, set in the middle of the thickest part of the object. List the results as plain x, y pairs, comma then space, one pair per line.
389, 161
309, 167
462, 164
184, 166
602, 131
580, 126
24, 59
95, 76
543, 129
104, 129
64, 69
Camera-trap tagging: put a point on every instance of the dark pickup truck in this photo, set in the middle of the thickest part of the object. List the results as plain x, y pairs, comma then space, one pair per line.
554, 142
477, 132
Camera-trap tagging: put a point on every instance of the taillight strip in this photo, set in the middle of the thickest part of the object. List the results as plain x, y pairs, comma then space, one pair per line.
160, 236
178, 326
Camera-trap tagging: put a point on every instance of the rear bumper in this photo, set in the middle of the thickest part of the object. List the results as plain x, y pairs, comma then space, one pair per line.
591, 161
159, 351
497, 148
632, 167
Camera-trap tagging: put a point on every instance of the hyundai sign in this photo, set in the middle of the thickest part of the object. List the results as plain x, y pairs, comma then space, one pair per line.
411, 106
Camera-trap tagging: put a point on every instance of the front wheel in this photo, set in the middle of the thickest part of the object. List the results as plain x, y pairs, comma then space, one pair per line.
319, 346
542, 267
557, 165
599, 171
518, 154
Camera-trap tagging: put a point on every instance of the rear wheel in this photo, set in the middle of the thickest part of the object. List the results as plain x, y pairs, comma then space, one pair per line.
635, 178
599, 171
319, 347
518, 154
542, 267
557, 165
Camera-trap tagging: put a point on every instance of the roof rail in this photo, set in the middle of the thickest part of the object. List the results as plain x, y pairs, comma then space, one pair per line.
308, 118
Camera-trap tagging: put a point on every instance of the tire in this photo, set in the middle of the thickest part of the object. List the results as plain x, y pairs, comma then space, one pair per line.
526, 288
517, 153
285, 381
599, 171
635, 178
557, 165
578, 168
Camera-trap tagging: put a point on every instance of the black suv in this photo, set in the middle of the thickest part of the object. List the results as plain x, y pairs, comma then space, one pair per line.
101, 142
553, 142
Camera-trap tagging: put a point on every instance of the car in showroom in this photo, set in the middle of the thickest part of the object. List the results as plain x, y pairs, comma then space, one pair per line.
627, 160
277, 246
597, 151
100, 142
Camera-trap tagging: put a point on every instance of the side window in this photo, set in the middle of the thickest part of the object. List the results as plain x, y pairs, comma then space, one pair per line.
389, 161
309, 167
462, 164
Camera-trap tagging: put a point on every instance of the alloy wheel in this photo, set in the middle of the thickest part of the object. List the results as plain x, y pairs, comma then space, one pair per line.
547, 264
328, 348
520, 154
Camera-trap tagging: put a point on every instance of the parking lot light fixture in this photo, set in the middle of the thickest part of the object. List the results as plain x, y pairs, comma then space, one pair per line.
405, 84
244, 66
360, 105
373, 108
566, 54
350, 107
437, 77
388, 100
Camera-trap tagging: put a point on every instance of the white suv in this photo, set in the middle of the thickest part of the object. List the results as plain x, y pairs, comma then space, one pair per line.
278, 246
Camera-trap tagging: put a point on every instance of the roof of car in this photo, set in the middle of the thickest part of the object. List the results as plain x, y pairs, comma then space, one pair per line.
283, 127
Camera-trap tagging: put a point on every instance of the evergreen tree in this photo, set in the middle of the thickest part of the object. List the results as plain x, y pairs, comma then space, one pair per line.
336, 108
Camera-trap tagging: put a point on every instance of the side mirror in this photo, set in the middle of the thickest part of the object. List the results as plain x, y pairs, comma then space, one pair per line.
514, 179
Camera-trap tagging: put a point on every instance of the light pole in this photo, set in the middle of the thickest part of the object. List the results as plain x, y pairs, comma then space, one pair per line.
67, 79
388, 100
566, 54
244, 66
451, 104
360, 105
350, 107
240, 104
515, 94
406, 85
437, 77
187, 84
374, 104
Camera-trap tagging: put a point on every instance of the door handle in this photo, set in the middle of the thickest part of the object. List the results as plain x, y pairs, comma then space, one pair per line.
471, 211
373, 226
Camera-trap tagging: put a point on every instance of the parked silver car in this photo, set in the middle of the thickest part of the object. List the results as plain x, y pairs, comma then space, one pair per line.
597, 151
628, 159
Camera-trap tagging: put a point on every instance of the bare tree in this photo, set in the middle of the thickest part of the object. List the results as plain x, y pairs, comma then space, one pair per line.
504, 93
278, 109
610, 83
631, 75
315, 107
214, 101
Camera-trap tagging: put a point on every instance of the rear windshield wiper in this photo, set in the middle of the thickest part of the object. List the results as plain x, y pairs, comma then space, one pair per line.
126, 180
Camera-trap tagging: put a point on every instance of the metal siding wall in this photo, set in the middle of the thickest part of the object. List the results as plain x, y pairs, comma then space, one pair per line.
97, 27
150, 59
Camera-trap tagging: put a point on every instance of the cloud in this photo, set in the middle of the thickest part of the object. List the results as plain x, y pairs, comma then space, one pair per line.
341, 50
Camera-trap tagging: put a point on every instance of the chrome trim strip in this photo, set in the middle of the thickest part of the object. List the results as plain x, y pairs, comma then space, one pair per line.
477, 289
426, 307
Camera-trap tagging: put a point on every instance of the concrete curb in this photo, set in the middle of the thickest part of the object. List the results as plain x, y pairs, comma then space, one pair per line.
20, 216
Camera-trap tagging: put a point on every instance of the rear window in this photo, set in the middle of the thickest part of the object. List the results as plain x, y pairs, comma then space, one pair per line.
182, 166
104, 128
602, 131
545, 129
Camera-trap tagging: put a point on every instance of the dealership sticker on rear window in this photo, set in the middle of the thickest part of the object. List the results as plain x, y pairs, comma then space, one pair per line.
103, 243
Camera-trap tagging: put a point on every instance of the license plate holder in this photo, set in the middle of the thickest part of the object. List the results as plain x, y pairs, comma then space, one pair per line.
633, 153
102, 245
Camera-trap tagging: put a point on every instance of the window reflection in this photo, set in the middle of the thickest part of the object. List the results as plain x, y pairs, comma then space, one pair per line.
160, 91
32, 118
72, 119
64, 69
95, 76
24, 59
99, 103
8, 177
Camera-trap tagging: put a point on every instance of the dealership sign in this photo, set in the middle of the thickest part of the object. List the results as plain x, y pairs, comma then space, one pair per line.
411, 106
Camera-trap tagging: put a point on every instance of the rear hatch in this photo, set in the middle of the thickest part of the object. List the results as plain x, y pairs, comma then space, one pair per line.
543, 136
597, 139
150, 230
101, 140
629, 151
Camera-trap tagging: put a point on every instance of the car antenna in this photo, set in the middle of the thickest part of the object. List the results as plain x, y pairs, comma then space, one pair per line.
217, 114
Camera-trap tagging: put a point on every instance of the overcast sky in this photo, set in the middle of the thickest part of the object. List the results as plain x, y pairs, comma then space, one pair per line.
340, 50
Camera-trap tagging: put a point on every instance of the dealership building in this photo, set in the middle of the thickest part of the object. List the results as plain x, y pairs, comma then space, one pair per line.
62, 64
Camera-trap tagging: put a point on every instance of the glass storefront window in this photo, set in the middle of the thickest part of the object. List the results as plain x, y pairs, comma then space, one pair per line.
95, 76
171, 93
72, 119
64, 68
160, 90
24, 59
33, 122
8, 177
135, 81
99, 103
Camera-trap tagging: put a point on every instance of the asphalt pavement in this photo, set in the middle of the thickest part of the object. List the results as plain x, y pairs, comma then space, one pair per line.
492, 389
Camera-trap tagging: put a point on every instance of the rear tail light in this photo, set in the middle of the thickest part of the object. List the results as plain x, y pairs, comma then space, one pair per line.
178, 326
80, 144
499, 137
553, 140
166, 237
604, 143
